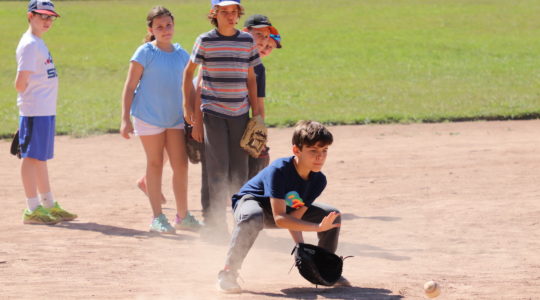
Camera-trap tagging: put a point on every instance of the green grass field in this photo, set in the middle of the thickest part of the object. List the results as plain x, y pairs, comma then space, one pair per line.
343, 61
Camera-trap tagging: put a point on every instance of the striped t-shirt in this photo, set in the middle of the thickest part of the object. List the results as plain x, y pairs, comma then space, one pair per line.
225, 62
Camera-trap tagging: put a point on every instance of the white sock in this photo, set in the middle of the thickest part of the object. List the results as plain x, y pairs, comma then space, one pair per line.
47, 200
32, 203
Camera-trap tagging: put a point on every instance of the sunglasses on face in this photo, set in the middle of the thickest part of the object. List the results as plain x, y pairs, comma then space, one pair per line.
276, 37
46, 17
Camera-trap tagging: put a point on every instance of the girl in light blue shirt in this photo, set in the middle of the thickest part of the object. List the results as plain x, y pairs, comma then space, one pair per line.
152, 96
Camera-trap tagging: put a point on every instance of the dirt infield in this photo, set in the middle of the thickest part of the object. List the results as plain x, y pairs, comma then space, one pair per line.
458, 203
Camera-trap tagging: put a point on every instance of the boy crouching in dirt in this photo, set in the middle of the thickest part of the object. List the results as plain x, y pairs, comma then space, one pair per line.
282, 195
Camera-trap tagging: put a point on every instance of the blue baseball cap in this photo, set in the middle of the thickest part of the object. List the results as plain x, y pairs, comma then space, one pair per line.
45, 7
225, 2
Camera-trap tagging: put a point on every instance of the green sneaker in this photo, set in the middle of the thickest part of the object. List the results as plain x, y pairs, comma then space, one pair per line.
40, 215
61, 214
187, 223
160, 224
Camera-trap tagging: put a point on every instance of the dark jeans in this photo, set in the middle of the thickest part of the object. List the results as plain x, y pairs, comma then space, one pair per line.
255, 166
205, 198
251, 217
226, 164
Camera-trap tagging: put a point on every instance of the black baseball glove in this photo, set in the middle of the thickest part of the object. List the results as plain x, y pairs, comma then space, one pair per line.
317, 265
15, 148
194, 149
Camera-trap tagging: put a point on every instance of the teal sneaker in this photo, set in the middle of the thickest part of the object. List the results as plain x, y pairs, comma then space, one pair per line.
61, 214
40, 215
187, 223
160, 224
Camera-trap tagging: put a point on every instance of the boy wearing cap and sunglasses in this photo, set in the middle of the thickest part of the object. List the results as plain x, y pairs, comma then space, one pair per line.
37, 86
263, 33
273, 43
228, 90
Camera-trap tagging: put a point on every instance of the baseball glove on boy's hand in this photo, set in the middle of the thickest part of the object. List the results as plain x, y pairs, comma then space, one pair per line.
255, 136
317, 265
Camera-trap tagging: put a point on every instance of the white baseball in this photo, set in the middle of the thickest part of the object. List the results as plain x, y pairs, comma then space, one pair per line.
432, 289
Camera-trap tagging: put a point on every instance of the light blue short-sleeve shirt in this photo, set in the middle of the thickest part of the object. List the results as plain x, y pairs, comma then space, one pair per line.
158, 97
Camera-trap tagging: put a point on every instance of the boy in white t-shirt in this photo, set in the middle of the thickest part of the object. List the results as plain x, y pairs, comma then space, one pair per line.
37, 87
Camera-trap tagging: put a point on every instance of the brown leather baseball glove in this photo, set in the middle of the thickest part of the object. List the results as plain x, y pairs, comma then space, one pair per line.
255, 137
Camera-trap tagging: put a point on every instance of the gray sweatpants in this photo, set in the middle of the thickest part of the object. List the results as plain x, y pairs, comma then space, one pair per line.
226, 163
251, 217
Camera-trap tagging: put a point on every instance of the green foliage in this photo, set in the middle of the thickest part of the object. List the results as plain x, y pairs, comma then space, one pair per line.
343, 61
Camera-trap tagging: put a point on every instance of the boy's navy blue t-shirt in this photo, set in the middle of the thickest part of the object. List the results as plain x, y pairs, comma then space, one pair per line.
280, 180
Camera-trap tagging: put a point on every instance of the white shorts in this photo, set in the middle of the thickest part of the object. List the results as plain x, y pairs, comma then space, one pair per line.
141, 128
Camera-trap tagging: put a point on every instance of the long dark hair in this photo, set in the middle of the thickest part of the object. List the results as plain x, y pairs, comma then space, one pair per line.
155, 12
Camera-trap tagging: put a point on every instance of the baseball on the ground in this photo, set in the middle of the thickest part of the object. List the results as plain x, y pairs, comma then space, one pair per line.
432, 289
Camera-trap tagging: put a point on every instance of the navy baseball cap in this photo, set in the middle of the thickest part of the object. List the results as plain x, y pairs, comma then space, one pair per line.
225, 2
261, 21
44, 7
257, 21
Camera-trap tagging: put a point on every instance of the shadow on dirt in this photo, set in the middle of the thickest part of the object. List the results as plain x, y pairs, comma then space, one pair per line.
285, 245
332, 293
350, 216
119, 231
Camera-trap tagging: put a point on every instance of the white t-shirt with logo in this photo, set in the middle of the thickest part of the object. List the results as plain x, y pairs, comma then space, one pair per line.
39, 98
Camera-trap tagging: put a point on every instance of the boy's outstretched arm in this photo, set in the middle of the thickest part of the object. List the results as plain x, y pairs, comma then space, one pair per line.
297, 235
288, 221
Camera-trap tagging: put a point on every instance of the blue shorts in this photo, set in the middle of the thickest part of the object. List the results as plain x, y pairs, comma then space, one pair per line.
36, 137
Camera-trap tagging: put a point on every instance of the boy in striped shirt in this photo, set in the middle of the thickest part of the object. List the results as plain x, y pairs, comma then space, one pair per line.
227, 57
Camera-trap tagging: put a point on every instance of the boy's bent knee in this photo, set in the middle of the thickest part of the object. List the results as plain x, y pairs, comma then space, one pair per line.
253, 220
338, 218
